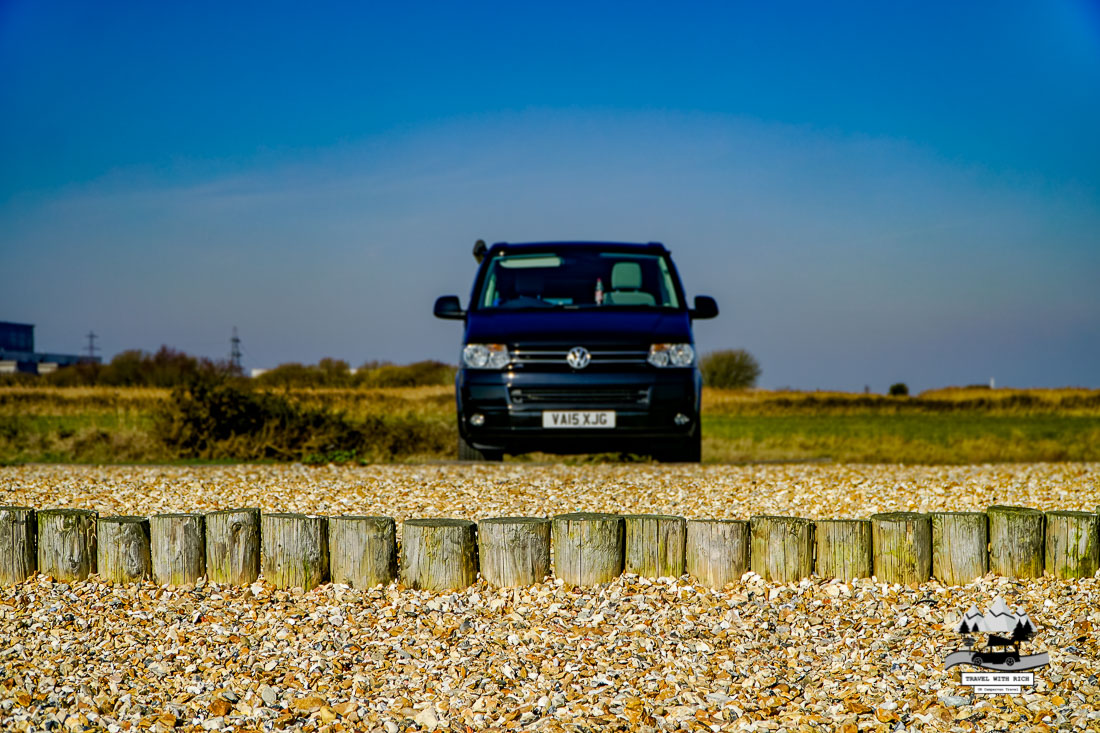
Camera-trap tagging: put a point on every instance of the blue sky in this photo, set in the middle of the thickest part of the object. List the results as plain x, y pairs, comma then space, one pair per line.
873, 192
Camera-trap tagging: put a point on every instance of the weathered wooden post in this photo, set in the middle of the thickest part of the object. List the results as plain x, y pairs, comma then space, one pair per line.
123, 552
655, 545
233, 546
514, 551
843, 548
717, 550
67, 543
179, 548
1015, 541
295, 550
1072, 546
438, 554
588, 547
18, 544
901, 543
782, 548
960, 546
362, 550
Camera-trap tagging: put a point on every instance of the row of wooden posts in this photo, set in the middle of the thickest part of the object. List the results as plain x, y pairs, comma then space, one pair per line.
304, 551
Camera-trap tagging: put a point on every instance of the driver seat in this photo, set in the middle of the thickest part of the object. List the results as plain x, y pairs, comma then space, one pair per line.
526, 286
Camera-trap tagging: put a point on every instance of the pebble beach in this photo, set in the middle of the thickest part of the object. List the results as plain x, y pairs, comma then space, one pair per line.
635, 654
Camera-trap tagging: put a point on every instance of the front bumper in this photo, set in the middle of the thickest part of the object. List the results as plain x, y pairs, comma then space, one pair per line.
646, 403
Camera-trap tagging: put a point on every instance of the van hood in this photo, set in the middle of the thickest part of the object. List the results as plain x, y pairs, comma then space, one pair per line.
595, 326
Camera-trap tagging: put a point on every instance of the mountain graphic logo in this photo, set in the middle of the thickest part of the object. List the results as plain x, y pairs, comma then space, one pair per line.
1006, 630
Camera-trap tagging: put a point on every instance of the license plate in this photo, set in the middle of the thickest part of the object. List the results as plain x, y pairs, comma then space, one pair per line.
578, 418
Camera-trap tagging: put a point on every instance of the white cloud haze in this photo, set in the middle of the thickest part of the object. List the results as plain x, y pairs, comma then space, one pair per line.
838, 261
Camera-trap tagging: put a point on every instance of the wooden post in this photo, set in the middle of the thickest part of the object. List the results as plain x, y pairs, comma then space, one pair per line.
1072, 546
123, 552
67, 543
902, 547
588, 547
960, 546
655, 545
438, 554
18, 544
362, 550
782, 548
717, 550
1015, 541
843, 548
233, 546
514, 551
295, 550
179, 548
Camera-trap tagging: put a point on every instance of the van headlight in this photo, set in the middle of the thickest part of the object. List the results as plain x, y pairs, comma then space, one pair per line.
485, 356
671, 355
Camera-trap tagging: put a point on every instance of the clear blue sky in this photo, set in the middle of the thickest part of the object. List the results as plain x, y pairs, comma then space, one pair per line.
874, 192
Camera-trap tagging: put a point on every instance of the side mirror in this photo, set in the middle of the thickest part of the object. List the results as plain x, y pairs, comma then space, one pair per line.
705, 307
447, 306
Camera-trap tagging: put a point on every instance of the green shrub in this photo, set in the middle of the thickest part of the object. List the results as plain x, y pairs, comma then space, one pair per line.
77, 375
335, 373
730, 369
292, 374
212, 416
134, 368
899, 389
418, 374
170, 368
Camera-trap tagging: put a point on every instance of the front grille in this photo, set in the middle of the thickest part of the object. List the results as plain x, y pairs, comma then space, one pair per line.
604, 396
522, 356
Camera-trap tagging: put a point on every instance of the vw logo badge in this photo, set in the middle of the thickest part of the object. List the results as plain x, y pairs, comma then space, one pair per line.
578, 357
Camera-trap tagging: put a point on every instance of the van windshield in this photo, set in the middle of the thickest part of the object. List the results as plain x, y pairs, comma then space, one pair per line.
578, 280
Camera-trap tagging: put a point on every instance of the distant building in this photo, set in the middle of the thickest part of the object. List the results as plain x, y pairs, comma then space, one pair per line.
16, 336
17, 352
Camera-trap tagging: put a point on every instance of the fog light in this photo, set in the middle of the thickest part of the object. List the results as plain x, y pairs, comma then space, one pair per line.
477, 419
681, 419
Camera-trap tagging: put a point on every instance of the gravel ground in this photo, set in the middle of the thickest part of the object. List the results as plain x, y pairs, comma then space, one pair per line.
816, 491
633, 655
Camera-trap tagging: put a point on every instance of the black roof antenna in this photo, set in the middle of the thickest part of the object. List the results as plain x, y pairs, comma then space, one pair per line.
480, 248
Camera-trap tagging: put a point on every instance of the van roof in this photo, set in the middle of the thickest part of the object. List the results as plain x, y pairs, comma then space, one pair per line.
655, 247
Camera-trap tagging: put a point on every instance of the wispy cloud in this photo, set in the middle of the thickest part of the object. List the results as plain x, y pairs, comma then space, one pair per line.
839, 260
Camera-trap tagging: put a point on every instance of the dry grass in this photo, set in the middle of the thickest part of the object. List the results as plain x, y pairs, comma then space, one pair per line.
73, 401
36, 400
954, 425
1067, 401
424, 402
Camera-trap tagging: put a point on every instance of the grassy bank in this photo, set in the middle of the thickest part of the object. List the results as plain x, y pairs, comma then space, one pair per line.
901, 438
119, 425
974, 425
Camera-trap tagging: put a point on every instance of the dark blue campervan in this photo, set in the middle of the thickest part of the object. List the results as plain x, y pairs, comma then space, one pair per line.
577, 347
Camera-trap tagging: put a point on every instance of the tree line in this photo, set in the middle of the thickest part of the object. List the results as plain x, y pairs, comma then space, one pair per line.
168, 367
